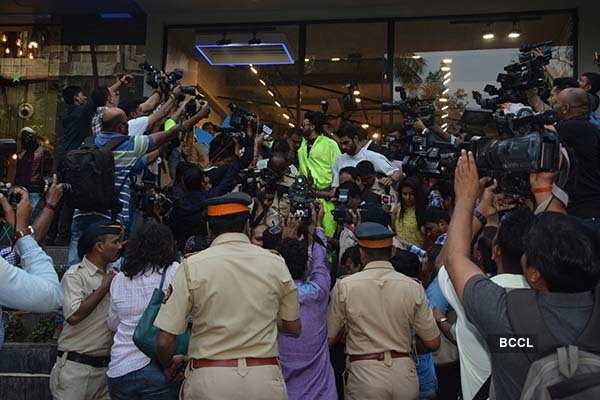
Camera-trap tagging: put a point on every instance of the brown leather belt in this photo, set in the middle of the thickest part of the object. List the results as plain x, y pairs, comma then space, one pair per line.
377, 356
250, 362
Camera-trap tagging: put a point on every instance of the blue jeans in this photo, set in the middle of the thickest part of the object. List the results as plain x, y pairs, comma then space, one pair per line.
78, 226
147, 383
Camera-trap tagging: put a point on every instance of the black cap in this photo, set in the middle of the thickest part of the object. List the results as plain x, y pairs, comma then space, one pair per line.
231, 203
373, 235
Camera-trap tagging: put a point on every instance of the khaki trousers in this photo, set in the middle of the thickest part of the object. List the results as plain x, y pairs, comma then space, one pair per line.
74, 381
390, 379
234, 383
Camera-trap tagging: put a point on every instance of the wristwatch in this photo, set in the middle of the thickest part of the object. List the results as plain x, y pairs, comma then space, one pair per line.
20, 234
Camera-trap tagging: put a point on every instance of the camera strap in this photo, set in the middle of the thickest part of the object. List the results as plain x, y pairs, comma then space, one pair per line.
557, 188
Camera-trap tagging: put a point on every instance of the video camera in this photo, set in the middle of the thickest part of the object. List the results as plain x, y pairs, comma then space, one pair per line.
252, 180
412, 108
509, 160
526, 74
157, 78
149, 198
241, 119
301, 196
341, 213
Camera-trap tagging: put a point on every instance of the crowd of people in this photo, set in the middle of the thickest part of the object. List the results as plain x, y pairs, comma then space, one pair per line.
219, 281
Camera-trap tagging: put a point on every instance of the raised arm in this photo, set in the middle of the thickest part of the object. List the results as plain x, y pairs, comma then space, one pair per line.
466, 186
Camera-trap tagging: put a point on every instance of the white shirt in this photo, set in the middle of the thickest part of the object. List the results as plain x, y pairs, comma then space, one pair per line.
138, 126
129, 299
379, 161
475, 364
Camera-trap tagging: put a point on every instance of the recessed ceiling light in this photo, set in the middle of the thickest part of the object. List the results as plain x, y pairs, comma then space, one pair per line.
515, 33
365, 126
254, 70
262, 82
446, 91
335, 59
285, 116
445, 108
445, 69
447, 61
488, 35
271, 93
443, 100
356, 92
291, 125
416, 57
445, 125
447, 81
277, 104
444, 116
357, 100
447, 75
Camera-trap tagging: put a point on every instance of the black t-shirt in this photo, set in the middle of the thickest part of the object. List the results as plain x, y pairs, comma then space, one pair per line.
565, 314
76, 126
583, 138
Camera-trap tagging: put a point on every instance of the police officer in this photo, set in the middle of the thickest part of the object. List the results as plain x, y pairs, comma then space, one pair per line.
236, 294
381, 310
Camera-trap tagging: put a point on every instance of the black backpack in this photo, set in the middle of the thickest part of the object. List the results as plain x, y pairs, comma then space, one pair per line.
557, 372
90, 172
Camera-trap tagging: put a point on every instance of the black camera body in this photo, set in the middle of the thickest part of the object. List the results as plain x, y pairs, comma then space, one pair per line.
301, 197
9, 193
341, 213
157, 78
528, 73
509, 160
413, 109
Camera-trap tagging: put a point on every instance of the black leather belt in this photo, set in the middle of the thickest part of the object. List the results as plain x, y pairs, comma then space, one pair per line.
96, 362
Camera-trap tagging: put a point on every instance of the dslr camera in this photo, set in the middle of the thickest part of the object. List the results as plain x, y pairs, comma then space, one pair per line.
157, 78
413, 109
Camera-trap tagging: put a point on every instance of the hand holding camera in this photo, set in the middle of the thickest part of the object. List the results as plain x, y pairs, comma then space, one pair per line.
24, 209
55, 192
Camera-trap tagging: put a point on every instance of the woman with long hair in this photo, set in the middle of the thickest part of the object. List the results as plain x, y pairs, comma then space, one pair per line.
409, 213
150, 255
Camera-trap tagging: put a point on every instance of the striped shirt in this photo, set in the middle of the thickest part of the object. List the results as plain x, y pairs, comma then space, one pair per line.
126, 155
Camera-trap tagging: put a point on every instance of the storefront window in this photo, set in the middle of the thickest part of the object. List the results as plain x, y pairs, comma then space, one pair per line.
345, 66
449, 59
219, 62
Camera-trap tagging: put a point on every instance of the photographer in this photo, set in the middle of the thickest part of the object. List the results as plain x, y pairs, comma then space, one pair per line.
126, 155
356, 149
280, 175
558, 85
33, 287
187, 216
34, 164
105, 96
316, 157
577, 133
262, 205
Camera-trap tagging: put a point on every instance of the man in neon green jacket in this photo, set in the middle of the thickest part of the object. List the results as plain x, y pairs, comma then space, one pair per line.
316, 157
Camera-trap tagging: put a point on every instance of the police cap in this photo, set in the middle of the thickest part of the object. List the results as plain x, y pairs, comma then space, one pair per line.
231, 203
372, 235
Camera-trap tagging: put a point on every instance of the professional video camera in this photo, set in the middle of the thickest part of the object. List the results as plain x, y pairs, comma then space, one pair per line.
149, 198
509, 160
301, 196
241, 119
413, 109
252, 180
526, 74
157, 78
341, 213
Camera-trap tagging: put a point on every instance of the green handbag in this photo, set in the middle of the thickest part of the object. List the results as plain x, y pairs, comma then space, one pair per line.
145, 332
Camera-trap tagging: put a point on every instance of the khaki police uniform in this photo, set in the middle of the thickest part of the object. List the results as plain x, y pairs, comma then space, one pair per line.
88, 342
380, 309
234, 292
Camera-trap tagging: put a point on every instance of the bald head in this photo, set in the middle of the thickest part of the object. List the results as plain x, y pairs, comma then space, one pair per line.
114, 120
571, 102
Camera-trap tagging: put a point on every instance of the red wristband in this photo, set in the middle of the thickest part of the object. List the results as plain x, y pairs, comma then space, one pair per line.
542, 189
